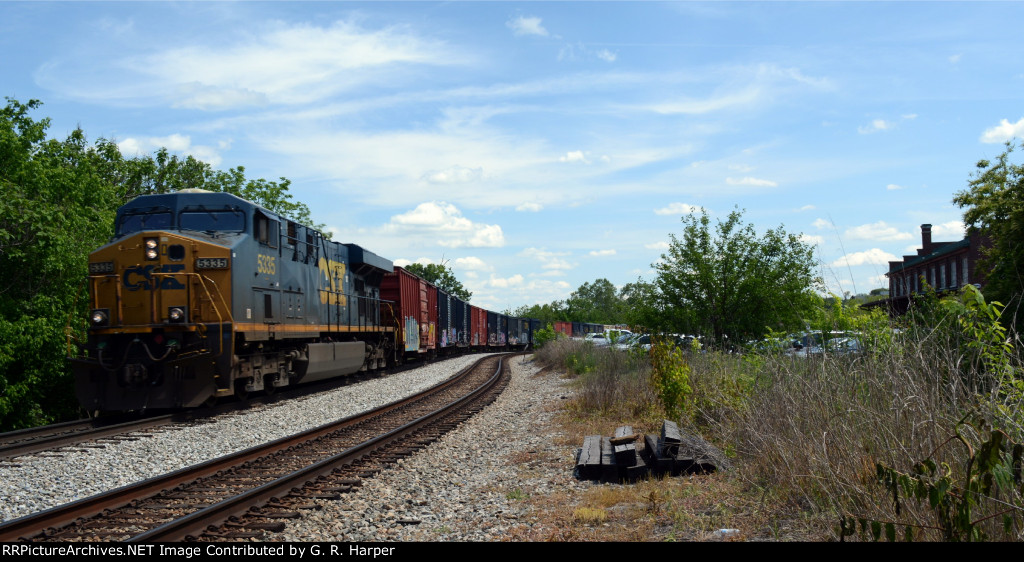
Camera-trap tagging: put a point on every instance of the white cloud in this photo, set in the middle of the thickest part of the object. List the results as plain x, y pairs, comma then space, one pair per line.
702, 106
874, 256
601, 253
455, 174
557, 264
174, 143
503, 283
879, 280
1003, 132
276, 63
657, 246
751, 181
955, 58
530, 207
678, 209
821, 223
574, 156
878, 125
877, 231
471, 263
805, 208
551, 262
952, 230
893, 187
875, 126
524, 25
572, 52
402, 262
445, 222
812, 239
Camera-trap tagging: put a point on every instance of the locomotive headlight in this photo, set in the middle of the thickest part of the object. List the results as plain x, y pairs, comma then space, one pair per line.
176, 314
151, 248
99, 317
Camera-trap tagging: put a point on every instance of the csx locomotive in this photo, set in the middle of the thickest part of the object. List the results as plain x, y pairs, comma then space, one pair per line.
202, 295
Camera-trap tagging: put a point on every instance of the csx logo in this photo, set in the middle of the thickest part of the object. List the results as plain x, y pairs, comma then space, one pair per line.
140, 277
266, 264
332, 276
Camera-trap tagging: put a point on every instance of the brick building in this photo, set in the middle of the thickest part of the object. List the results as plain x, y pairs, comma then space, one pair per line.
944, 266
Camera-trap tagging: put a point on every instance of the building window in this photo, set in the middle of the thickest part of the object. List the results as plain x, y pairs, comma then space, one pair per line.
952, 274
966, 279
942, 276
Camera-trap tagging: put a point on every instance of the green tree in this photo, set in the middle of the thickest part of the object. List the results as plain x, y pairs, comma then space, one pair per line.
442, 276
596, 302
57, 205
994, 202
732, 283
59, 199
642, 303
546, 313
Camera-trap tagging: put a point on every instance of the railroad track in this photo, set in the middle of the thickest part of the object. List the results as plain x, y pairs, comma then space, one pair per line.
85, 433
241, 495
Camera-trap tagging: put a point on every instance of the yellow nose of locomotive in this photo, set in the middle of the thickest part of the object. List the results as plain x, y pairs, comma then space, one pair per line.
160, 323
158, 279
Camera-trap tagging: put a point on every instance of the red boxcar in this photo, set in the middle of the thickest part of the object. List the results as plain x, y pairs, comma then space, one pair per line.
413, 310
564, 328
478, 326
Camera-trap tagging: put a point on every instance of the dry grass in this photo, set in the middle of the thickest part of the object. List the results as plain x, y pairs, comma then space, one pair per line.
805, 435
812, 430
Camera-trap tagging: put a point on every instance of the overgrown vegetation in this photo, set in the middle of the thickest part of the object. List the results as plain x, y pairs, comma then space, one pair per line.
612, 385
918, 437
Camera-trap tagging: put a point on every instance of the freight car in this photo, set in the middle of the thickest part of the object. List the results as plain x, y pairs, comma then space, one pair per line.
202, 295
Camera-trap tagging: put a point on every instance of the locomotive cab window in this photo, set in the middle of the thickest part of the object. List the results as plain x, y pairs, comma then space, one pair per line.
138, 222
292, 240
205, 220
266, 229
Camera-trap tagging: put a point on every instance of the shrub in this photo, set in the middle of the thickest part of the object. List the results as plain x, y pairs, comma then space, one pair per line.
670, 376
545, 335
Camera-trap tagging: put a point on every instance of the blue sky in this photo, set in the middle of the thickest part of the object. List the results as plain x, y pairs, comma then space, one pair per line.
537, 146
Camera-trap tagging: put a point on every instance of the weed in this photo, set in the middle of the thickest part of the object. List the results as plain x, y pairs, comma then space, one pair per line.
590, 515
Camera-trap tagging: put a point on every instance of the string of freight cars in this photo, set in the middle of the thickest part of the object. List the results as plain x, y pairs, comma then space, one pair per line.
203, 295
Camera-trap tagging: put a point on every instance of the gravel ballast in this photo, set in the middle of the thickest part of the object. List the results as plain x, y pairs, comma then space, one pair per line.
471, 485
34, 483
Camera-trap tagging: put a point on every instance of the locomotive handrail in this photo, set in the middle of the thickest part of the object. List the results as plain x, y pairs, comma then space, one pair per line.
188, 296
117, 293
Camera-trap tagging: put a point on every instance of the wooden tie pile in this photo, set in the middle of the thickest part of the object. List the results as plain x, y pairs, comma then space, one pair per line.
629, 456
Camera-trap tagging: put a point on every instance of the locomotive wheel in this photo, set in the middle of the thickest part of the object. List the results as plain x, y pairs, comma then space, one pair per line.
240, 392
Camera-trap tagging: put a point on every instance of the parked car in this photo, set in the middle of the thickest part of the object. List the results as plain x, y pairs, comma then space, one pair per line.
817, 343
640, 342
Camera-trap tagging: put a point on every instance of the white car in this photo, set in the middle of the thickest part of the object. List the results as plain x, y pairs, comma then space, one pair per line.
635, 341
